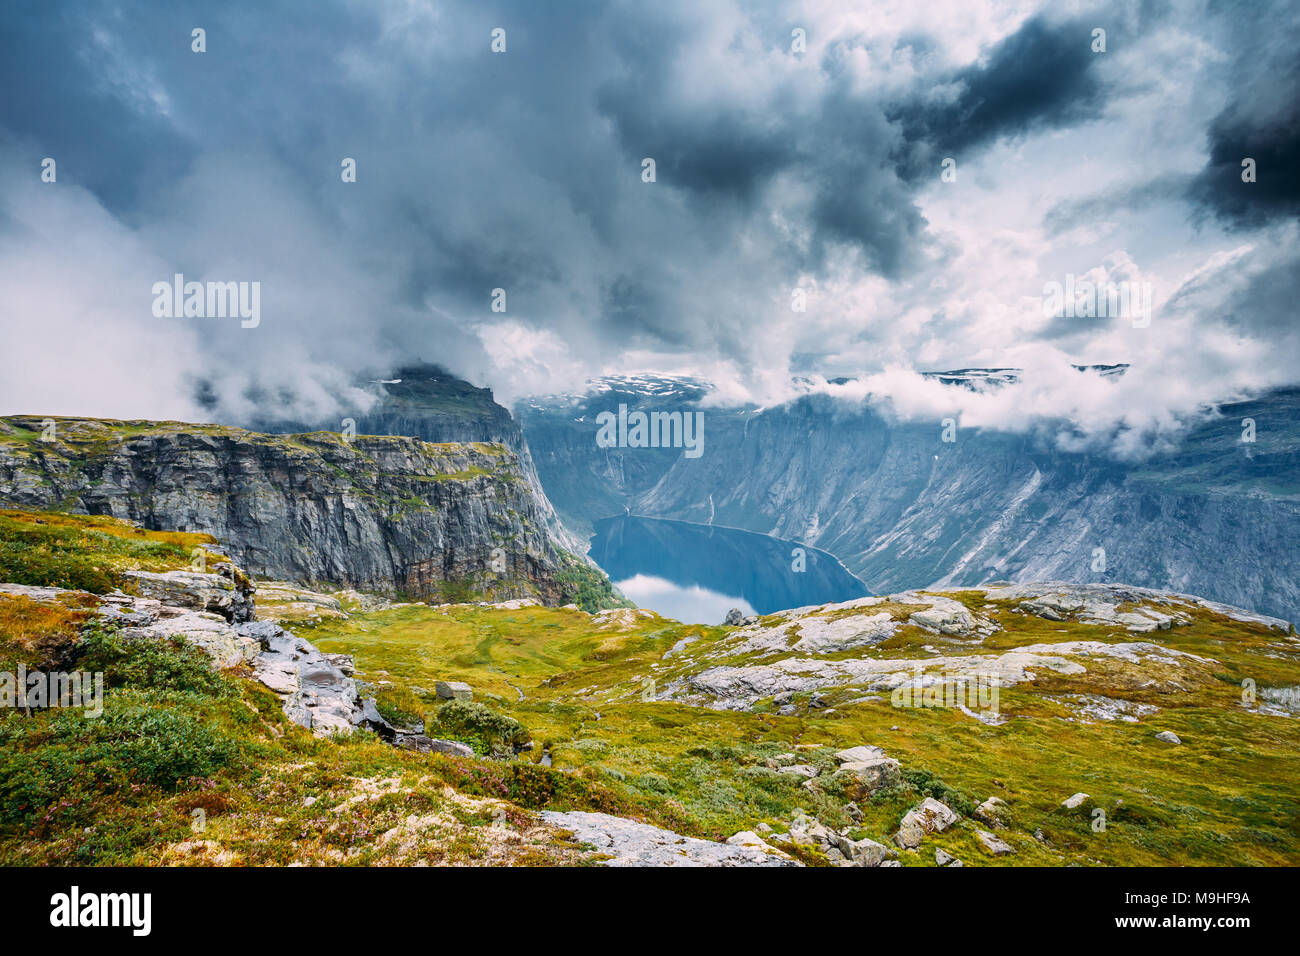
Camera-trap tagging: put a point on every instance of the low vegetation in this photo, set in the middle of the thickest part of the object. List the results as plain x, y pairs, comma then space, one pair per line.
188, 765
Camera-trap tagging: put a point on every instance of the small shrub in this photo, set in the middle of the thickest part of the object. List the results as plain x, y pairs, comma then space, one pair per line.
65, 761
481, 727
146, 664
928, 785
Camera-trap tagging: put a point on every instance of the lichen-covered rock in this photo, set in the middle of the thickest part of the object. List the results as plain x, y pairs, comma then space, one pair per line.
991, 811
453, 690
929, 816
620, 842
222, 591
864, 852
864, 770
992, 844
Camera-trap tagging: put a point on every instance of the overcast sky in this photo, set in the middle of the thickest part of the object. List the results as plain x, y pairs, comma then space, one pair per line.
776, 169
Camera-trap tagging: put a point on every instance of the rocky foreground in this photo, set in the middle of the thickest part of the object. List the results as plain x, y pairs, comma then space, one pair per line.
817, 649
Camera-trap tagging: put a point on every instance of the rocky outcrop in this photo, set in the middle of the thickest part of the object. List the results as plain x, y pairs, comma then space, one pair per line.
316, 689
620, 842
427, 402
803, 651
929, 816
376, 513
224, 591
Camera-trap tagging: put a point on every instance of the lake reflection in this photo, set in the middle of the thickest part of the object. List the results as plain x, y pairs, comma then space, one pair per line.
694, 573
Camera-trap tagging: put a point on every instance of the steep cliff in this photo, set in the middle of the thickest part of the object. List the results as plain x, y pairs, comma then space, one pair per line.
902, 509
426, 402
431, 521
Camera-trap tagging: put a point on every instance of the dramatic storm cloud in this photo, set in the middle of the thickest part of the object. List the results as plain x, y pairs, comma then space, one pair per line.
864, 190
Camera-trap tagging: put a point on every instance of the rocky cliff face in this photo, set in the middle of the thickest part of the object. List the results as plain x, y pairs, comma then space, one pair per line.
426, 402
903, 509
433, 521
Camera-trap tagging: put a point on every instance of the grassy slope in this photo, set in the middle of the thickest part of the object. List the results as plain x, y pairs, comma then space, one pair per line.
1229, 795
124, 789
178, 746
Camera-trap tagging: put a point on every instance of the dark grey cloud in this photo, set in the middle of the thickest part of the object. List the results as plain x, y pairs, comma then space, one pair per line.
1261, 120
1043, 76
522, 171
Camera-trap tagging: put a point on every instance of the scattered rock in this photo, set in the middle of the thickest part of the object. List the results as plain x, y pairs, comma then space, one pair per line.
943, 857
1075, 801
627, 843
802, 769
863, 852
453, 690
992, 844
929, 816
1168, 736
735, 618
990, 812
864, 777
860, 754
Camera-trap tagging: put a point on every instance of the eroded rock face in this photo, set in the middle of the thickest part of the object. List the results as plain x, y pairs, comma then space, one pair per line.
627, 843
224, 590
377, 513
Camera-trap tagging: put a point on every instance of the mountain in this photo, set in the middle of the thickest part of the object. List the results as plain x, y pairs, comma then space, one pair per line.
425, 401
399, 515
902, 509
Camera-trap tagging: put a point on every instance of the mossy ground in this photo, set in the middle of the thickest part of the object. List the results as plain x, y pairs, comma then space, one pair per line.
89, 552
1229, 795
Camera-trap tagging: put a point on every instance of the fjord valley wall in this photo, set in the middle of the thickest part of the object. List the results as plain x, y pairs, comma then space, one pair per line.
903, 509
449, 521
425, 401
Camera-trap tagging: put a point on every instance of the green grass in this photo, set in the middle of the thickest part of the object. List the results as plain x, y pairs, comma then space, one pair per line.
87, 552
178, 739
1229, 795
